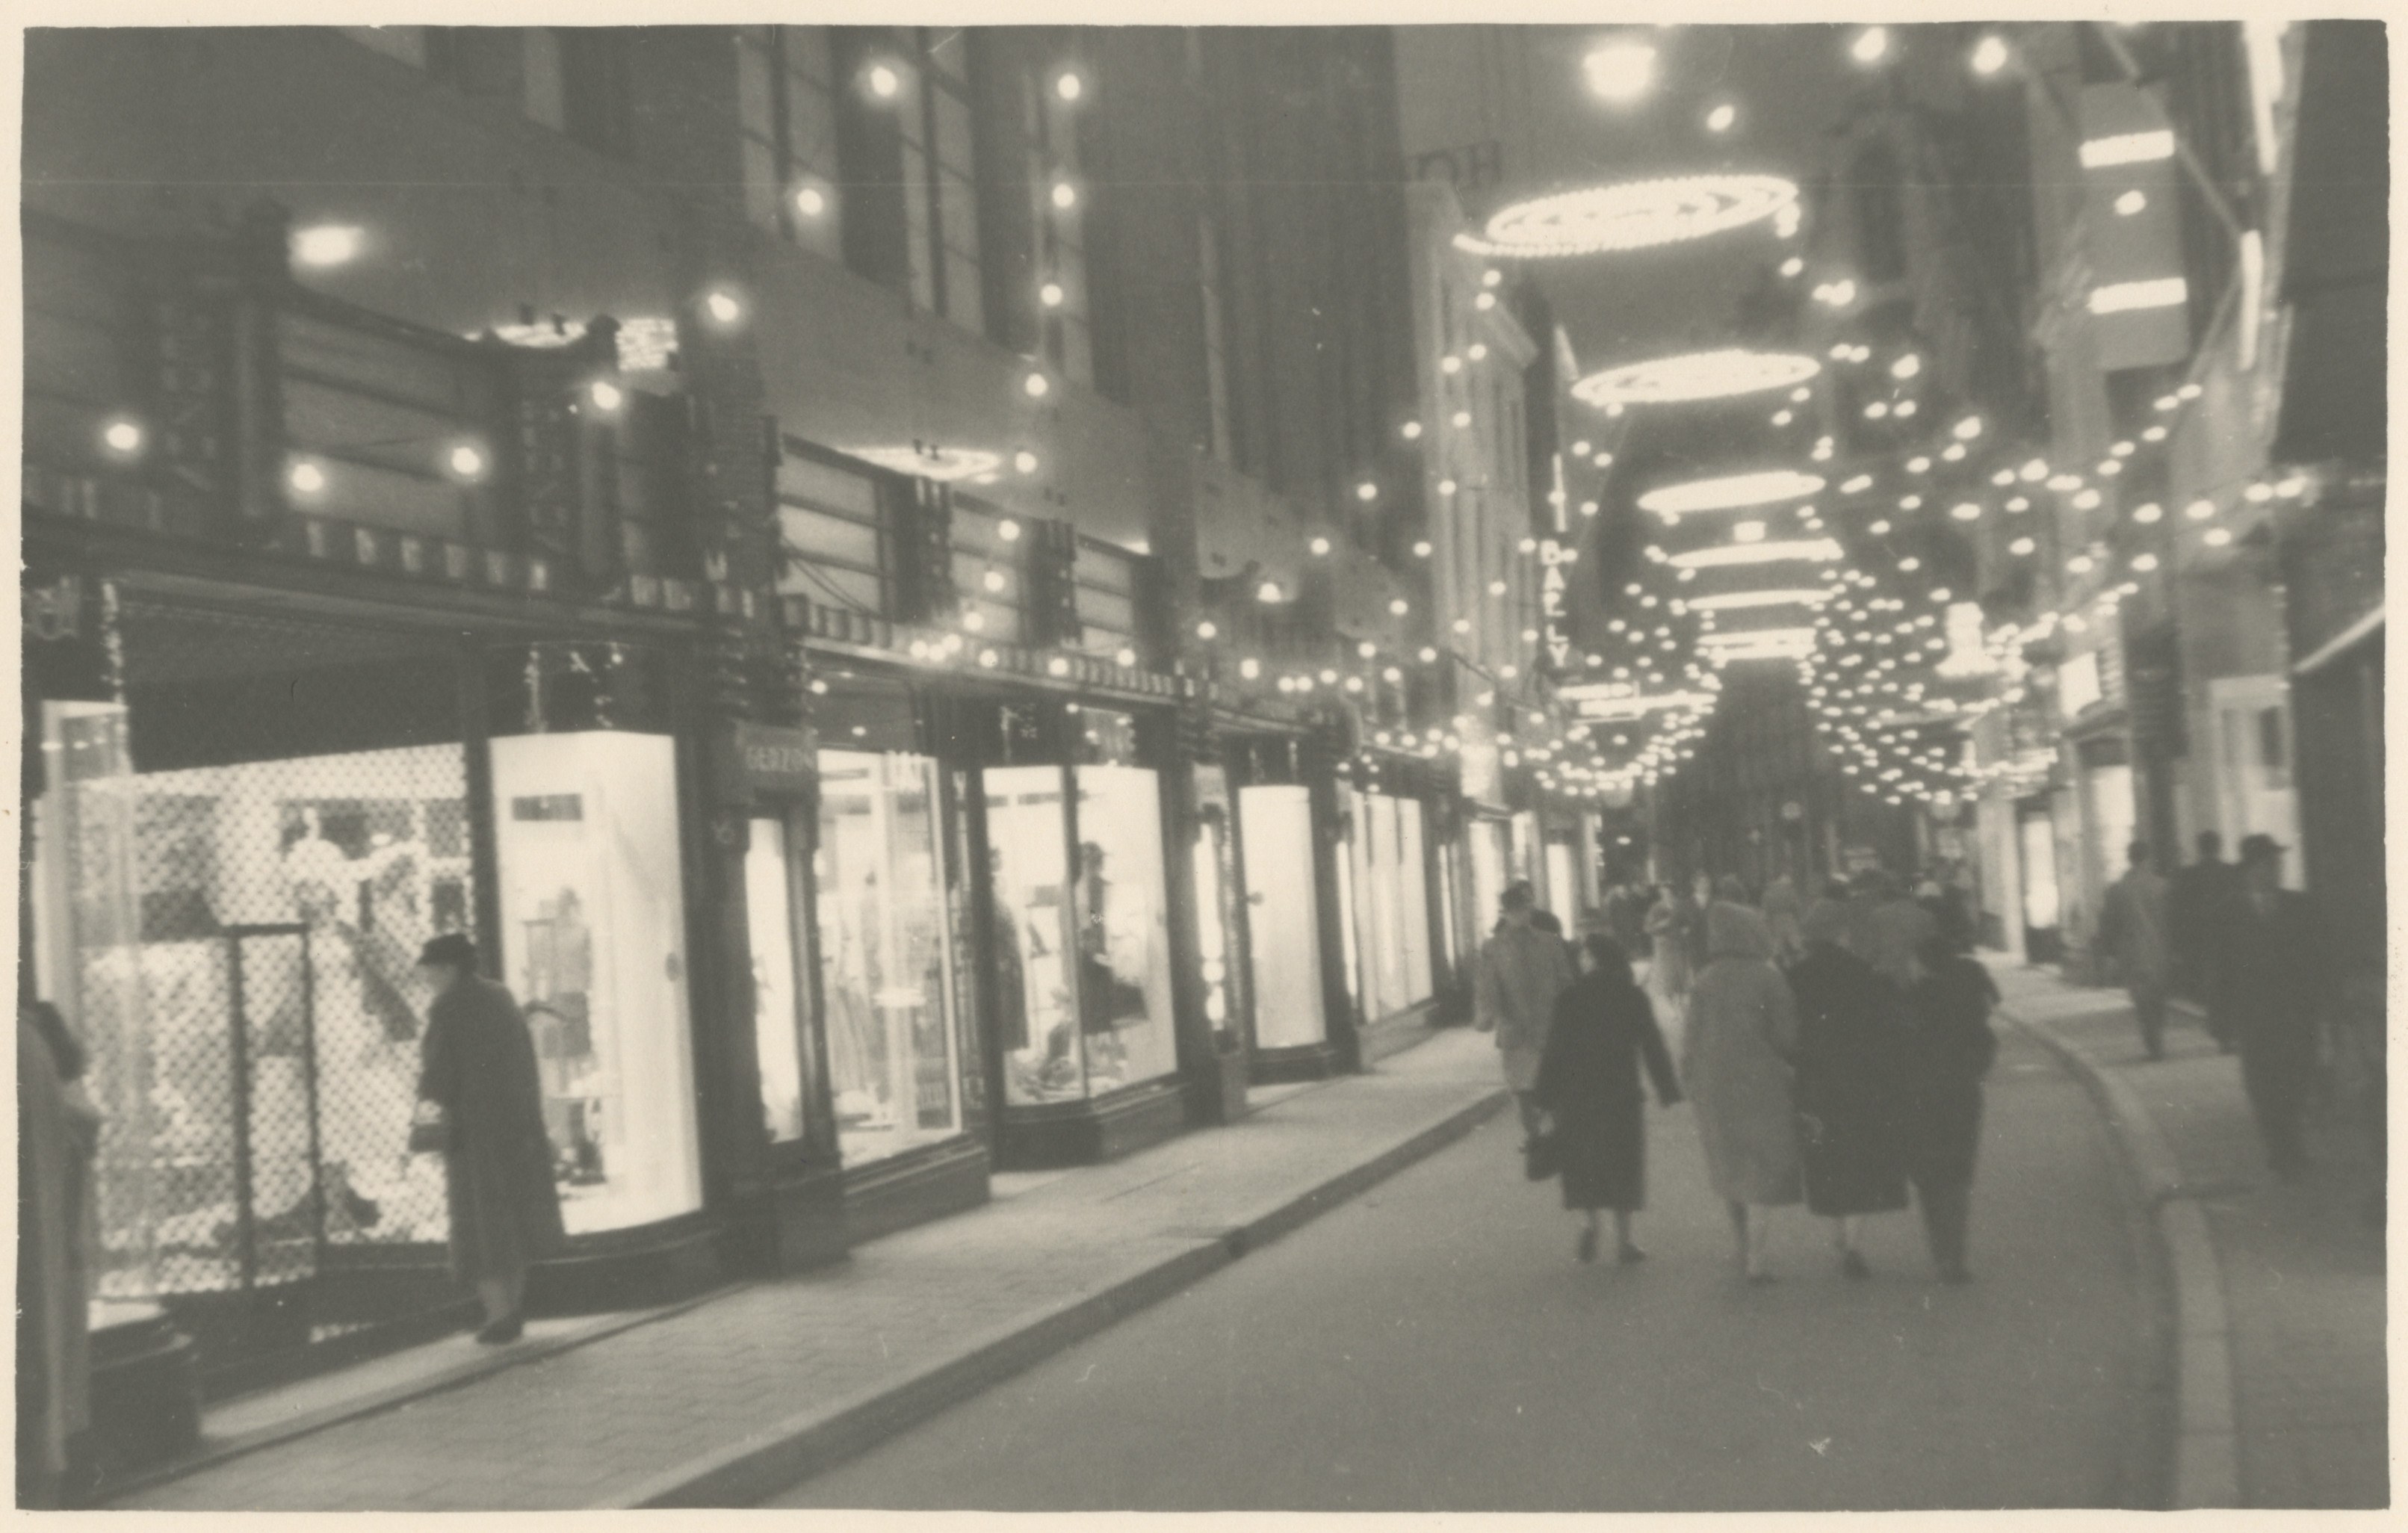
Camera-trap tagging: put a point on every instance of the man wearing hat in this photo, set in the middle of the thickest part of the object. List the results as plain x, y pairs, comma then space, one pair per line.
2268, 990
1522, 970
482, 1104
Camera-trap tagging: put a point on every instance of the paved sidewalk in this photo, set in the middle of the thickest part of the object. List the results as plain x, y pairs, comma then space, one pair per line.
720, 1402
2281, 1287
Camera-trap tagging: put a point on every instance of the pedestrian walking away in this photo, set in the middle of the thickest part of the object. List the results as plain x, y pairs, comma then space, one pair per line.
2195, 900
482, 1099
1949, 1048
2268, 995
1782, 906
1850, 1036
1885, 929
1669, 923
1735, 1065
2132, 934
1603, 1031
1522, 970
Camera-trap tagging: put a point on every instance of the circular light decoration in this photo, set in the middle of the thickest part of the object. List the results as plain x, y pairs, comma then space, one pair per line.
1731, 492
1699, 375
1631, 216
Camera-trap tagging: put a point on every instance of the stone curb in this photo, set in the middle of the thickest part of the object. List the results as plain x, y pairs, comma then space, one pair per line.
805, 1444
2207, 1444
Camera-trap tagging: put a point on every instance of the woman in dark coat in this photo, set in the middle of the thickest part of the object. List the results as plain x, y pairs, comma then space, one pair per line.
1949, 1049
479, 1073
1588, 1082
1850, 1034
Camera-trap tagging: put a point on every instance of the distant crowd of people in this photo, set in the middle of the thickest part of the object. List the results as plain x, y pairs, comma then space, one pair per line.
1833, 1051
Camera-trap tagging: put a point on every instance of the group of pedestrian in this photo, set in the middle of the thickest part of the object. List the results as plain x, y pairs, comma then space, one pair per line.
2231, 938
1834, 1054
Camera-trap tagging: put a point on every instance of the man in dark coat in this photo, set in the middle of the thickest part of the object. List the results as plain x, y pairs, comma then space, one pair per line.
1849, 1036
2195, 896
1949, 1049
479, 1075
2267, 995
1602, 1029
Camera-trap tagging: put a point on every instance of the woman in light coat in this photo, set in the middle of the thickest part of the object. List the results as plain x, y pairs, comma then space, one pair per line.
1735, 1063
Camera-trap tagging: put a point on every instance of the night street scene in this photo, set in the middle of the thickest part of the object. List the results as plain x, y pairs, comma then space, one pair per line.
1387, 768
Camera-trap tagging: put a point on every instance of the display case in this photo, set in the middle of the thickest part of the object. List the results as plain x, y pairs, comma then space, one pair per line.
770, 916
593, 944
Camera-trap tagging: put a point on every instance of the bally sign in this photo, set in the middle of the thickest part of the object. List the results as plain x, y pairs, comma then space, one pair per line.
774, 760
1555, 620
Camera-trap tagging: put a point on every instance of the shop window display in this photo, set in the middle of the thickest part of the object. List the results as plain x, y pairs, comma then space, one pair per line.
1028, 869
886, 953
777, 1033
1124, 944
1392, 912
1286, 927
593, 924
236, 944
1214, 919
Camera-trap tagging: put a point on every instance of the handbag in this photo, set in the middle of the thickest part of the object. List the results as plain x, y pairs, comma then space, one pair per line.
1543, 1157
430, 1137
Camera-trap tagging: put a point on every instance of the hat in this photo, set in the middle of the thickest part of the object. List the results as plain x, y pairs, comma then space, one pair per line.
2255, 846
1518, 895
453, 947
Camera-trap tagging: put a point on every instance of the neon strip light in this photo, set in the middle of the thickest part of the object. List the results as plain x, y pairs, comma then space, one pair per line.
1717, 494
2128, 149
1820, 549
2157, 293
1729, 600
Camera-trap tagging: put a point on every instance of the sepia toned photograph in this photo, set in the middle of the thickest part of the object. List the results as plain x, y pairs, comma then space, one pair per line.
1456, 766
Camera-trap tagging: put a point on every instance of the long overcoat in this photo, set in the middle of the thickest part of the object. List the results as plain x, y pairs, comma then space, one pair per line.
1735, 1063
1604, 1029
1521, 971
479, 1065
1949, 1049
1851, 1087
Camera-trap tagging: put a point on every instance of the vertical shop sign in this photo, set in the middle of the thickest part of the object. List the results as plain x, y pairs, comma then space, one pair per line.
1553, 609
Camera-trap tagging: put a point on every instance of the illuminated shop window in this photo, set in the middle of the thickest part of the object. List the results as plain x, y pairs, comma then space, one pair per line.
886, 953
777, 990
228, 895
1392, 908
593, 929
1124, 945
1284, 924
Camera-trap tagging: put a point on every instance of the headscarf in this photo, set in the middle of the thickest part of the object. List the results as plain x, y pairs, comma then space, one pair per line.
1734, 931
1825, 921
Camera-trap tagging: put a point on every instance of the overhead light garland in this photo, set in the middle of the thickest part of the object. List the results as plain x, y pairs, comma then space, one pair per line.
1724, 374
1731, 492
1631, 216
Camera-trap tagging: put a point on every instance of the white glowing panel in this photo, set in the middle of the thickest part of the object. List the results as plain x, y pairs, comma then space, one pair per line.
1733, 600
1276, 820
2123, 298
1721, 374
2128, 149
1816, 549
1628, 217
1731, 492
592, 946
943, 464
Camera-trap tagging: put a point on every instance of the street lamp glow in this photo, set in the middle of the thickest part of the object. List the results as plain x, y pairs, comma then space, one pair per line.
2148, 513
1050, 295
883, 81
1622, 70
1871, 45
2131, 202
1025, 461
306, 479
1065, 196
607, 396
1906, 367
1991, 55
1721, 117
1792, 266
1037, 385
1068, 86
722, 305
467, 461
811, 201
123, 437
